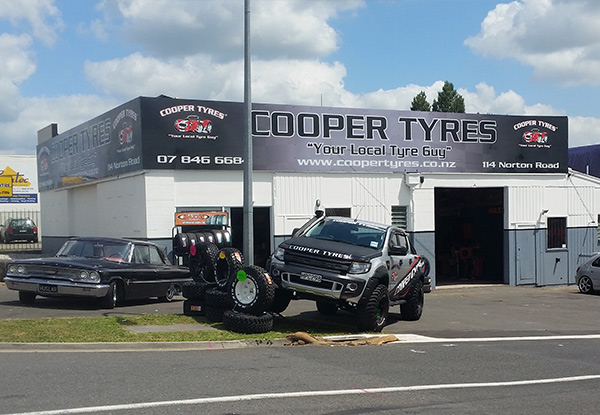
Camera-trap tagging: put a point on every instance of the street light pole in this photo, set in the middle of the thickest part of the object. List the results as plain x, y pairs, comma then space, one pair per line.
248, 161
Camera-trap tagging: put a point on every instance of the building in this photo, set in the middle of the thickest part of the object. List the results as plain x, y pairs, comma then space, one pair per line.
486, 197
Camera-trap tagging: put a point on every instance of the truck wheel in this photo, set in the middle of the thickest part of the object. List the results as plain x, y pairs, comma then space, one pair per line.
206, 263
413, 308
26, 297
327, 308
214, 314
229, 262
281, 301
247, 323
217, 298
252, 290
193, 290
373, 314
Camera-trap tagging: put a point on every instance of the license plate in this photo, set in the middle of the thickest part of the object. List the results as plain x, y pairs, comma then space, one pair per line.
45, 288
311, 277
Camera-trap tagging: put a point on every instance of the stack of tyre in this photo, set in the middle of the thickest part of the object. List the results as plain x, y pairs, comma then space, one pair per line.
226, 290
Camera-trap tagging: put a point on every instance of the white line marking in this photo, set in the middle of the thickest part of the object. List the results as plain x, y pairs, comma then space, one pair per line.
306, 394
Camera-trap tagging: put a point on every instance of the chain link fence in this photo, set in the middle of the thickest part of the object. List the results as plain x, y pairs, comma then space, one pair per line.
18, 245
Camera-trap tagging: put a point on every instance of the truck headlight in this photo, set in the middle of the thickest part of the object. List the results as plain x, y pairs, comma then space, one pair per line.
359, 267
279, 254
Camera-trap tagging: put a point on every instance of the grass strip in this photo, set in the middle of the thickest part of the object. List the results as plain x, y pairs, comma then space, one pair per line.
112, 329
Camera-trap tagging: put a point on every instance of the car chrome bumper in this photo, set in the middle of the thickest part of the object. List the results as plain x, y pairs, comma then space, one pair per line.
62, 287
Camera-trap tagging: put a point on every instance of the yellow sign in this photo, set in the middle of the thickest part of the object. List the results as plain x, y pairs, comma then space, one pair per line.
6, 186
16, 178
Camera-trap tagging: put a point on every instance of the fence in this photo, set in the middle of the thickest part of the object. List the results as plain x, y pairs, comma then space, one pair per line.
20, 246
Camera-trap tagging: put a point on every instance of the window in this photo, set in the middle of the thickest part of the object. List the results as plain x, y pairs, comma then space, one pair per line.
344, 212
400, 216
557, 233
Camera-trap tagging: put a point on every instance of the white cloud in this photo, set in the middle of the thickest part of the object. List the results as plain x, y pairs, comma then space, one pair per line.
42, 17
583, 131
559, 39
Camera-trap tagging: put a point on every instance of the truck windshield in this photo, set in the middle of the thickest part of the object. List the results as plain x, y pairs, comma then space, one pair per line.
351, 233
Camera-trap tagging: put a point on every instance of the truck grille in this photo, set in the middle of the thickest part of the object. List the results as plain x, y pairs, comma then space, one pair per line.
339, 266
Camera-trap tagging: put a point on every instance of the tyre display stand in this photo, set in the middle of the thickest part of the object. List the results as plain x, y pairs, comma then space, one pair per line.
224, 289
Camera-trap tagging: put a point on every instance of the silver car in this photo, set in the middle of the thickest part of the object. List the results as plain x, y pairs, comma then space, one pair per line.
588, 275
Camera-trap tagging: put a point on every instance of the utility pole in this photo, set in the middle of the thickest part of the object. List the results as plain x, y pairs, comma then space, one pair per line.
248, 162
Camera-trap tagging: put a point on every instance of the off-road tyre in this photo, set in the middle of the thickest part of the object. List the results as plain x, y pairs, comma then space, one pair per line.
412, 310
214, 314
194, 308
326, 308
252, 290
204, 263
229, 262
373, 314
247, 323
281, 301
193, 290
218, 298
180, 244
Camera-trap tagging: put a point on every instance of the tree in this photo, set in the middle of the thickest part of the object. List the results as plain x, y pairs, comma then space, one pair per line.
448, 100
420, 103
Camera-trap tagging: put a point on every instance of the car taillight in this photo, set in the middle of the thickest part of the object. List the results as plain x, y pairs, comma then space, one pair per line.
35, 229
9, 230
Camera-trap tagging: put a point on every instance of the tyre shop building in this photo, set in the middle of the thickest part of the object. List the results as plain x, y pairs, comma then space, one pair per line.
486, 198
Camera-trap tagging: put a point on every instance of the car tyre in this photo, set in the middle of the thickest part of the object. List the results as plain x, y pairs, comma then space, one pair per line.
111, 299
585, 285
206, 257
193, 290
214, 314
247, 323
194, 308
412, 310
229, 262
252, 290
27, 297
373, 314
218, 298
281, 300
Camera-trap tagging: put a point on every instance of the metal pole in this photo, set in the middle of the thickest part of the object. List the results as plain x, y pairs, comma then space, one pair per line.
248, 163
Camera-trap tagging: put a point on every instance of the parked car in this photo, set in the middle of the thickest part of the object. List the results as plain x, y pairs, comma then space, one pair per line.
112, 270
22, 229
588, 275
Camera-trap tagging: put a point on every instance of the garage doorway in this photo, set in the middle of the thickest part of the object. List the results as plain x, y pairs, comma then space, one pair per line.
469, 235
262, 232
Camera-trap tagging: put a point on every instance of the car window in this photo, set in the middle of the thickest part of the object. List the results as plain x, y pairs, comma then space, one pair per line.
155, 257
596, 263
141, 254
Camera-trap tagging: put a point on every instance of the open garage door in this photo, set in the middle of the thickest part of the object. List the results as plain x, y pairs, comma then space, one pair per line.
469, 235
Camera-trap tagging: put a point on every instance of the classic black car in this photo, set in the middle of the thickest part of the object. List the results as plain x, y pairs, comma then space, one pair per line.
112, 270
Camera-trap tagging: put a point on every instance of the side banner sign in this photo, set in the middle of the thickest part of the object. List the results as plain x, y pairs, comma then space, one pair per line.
193, 134
108, 145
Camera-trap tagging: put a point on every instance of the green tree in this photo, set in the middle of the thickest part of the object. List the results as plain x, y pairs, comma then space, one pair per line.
448, 100
420, 103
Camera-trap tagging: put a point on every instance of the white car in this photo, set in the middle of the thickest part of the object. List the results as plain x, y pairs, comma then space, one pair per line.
588, 275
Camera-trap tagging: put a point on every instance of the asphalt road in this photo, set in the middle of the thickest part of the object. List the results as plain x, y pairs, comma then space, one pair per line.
474, 360
474, 311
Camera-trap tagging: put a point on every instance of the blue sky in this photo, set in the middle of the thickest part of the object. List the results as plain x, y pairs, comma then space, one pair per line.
67, 61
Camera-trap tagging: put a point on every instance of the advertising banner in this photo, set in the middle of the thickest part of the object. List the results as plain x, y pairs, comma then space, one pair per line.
108, 145
18, 179
168, 133
188, 134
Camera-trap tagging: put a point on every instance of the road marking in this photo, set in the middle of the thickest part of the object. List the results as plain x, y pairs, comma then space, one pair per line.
415, 338
308, 394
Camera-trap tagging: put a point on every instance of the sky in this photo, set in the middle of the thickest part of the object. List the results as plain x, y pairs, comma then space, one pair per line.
68, 61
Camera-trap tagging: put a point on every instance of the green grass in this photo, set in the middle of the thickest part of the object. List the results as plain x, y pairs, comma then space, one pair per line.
113, 329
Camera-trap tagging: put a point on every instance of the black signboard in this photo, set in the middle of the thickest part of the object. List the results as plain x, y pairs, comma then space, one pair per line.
167, 133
